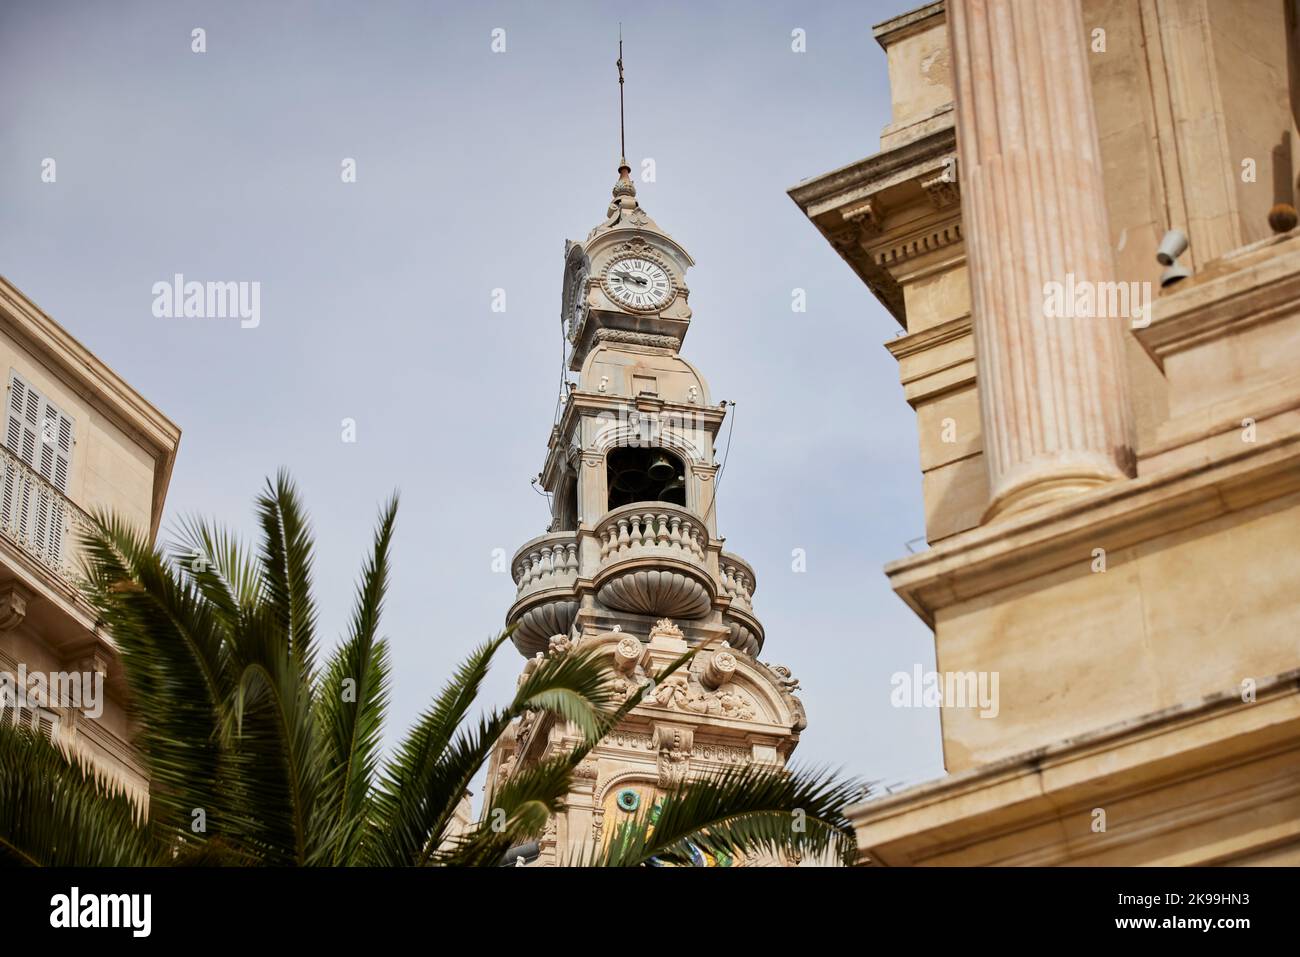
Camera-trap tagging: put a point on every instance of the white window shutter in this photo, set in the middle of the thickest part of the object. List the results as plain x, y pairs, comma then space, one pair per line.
41, 436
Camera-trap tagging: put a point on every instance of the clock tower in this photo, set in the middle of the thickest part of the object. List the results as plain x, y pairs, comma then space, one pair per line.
632, 564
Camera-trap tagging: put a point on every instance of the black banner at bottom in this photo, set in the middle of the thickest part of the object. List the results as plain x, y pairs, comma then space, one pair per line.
371, 907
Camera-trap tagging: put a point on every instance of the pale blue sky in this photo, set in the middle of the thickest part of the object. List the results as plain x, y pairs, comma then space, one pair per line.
473, 168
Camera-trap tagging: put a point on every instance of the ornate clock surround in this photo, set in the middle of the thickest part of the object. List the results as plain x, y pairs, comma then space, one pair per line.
640, 249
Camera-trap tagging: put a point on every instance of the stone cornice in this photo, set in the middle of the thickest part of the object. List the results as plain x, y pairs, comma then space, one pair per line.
1145, 754
99, 385
931, 238
850, 207
915, 343
889, 32
1116, 515
860, 180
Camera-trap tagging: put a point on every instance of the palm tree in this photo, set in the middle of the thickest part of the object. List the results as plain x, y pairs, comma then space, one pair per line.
258, 754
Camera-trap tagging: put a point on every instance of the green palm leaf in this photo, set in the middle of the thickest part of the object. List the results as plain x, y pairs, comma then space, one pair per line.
741, 811
353, 696
178, 668
60, 813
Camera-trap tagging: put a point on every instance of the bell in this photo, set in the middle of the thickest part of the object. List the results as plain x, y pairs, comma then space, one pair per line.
661, 470
630, 480
674, 492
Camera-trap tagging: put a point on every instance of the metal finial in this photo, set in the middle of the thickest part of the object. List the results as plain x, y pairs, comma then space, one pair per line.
622, 141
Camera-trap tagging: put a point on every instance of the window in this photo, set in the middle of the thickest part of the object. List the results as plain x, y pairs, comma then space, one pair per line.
39, 436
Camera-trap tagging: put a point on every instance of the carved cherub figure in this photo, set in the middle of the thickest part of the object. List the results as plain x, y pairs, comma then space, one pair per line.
788, 682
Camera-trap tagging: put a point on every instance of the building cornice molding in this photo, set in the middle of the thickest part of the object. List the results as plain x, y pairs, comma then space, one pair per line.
860, 180
850, 206
1147, 754
888, 32
914, 343
1118, 515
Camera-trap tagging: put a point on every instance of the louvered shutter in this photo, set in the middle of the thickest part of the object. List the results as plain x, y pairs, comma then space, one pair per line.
42, 437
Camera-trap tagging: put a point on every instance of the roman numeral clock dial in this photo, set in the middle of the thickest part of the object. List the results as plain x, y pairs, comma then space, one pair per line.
639, 283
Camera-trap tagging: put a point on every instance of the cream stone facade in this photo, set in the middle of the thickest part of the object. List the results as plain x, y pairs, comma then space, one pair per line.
632, 564
78, 439
1112, 495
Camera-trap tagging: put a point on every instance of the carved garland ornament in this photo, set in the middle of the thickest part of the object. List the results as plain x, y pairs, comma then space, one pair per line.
638, 338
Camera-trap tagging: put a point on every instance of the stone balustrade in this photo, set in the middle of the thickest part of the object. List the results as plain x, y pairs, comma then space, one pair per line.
548, 561
651, 528
652, 561
738, 579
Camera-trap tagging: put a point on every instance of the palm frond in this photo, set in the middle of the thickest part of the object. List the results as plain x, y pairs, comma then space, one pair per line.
519, 811
228, 575
352, 699
57, 811
403, 817
741, 811
178, 669
516, 806
286, 554
271, 733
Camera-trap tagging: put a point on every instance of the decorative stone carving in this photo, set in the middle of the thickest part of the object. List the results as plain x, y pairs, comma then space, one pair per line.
672, 693
732, 703
506, 768
13, 605
720, 669
674, 746
627, 654
722, 754
919, 244
788, 682
559, 646
665, 626
637, 339
788, 685
651, 591
866, 217
675, 693
942, 190
631, 740
538, 623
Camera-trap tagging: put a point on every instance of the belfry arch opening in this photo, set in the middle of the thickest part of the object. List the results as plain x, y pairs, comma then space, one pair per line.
645, 475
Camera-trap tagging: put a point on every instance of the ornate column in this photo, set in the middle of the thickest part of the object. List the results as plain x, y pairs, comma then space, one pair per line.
1053, 392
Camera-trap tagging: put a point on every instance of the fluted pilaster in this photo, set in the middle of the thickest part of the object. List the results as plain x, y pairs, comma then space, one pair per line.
1053, 391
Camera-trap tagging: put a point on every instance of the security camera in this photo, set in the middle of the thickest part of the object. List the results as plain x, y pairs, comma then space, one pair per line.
1173, 245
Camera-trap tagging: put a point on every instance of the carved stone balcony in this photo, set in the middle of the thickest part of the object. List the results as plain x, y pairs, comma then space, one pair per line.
39, 519
653, 561
739, 583
545, 571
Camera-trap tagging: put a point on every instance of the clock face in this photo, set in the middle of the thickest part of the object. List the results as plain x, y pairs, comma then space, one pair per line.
579, 302
639, 283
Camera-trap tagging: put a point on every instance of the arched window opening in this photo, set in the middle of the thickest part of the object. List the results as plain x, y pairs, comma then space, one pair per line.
645, 475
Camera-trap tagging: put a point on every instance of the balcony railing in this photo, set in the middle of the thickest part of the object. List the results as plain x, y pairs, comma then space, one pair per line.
39, 519
651, 529
737, 579
549, 561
